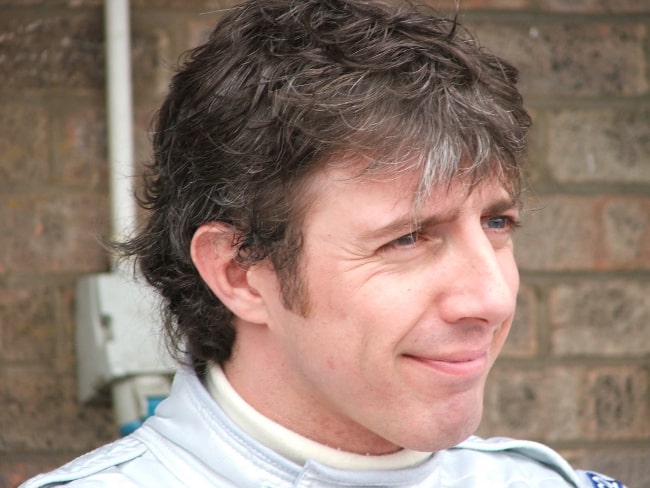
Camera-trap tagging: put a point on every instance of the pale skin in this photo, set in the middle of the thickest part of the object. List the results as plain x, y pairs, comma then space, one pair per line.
403, 324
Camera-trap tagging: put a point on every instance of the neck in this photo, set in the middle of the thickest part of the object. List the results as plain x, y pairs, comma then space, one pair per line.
261, 375
292, 445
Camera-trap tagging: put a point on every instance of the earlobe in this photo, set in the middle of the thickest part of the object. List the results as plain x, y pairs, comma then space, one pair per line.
214, 255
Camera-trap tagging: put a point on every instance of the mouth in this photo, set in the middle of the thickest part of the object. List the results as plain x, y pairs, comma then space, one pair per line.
465, 365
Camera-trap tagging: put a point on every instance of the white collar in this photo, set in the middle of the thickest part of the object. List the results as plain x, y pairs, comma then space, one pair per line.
292, 445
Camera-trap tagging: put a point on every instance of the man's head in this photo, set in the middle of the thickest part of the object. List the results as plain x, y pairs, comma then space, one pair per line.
284, 92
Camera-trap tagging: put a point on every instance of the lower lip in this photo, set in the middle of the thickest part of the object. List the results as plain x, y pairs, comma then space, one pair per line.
469, 368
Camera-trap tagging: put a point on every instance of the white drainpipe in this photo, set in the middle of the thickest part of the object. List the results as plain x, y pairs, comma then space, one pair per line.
117, 331
119, 107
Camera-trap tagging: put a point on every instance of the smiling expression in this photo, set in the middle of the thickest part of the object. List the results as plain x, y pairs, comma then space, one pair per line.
405, 315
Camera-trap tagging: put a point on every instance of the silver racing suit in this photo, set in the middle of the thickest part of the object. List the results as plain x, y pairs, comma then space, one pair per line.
190, 442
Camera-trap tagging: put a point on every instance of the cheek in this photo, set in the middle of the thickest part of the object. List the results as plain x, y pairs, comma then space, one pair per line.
347, 327
362, 316
512, 278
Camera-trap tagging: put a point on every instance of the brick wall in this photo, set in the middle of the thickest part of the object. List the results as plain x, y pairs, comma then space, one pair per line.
576, 371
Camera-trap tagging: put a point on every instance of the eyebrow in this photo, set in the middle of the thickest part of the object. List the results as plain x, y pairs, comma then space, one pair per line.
503, 205
405, 224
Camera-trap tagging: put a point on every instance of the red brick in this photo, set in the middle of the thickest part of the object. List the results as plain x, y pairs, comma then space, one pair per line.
51, 3
581, 233
201, 5
559, 233
152, 56
492, 4
601, 318
23, 138
569, 60
628, 464
80, 147
52, 50
626, 233
596, 7
66, 51
143, 120
538, 404
39, 414
599, 145
53, 234
28, 326
16, 469
522, 341
29, 403
617, 404
566, 404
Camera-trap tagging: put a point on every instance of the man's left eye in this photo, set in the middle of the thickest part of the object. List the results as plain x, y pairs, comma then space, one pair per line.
500, 223
406, 240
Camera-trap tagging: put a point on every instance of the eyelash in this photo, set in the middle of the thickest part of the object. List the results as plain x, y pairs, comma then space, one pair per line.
509, 222
411, 236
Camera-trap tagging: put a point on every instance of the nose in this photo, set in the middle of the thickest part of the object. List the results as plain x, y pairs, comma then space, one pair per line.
482, 282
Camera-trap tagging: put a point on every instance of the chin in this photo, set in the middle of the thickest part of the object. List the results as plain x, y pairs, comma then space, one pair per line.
453, 439
444, 430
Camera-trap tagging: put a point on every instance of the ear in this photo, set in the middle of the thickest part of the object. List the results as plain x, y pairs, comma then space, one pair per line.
213, 254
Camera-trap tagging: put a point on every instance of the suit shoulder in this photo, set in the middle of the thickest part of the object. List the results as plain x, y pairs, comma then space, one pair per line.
514, 459
95, 468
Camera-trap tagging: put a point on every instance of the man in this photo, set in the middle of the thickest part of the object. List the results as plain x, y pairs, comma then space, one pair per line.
333, 194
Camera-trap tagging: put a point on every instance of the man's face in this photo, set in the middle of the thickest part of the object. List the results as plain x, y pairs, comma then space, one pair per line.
403, 322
